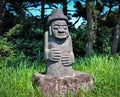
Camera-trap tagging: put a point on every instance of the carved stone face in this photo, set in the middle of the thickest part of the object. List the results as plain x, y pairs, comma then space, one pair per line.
59, 29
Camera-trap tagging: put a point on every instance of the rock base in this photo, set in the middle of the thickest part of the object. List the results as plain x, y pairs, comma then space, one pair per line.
51, 86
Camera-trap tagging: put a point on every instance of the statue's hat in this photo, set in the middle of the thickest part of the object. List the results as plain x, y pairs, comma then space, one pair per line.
56, 14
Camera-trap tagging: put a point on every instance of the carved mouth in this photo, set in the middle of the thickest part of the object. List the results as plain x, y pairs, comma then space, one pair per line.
61, 34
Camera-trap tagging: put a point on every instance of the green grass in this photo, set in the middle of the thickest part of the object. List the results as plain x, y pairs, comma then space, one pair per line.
106, 74
17, 81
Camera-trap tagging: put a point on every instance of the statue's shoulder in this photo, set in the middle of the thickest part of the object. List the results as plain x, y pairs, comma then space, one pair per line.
46, 33
69, 37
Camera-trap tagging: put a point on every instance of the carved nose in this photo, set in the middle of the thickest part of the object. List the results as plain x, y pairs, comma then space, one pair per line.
61, 30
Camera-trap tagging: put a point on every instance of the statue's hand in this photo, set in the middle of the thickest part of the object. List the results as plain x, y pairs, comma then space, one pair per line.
54, 54
66, 59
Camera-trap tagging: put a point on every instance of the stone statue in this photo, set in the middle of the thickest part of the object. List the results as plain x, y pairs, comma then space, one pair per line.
58, 46
60, 78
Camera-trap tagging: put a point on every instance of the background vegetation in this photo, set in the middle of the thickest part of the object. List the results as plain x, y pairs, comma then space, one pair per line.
95, 43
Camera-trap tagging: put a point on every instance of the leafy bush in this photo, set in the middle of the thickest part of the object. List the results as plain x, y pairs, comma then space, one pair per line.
7, 51
28, 38
79, 40
103, 40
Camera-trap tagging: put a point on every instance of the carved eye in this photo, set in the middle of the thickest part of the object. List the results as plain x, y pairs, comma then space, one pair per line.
55, 27
65, 27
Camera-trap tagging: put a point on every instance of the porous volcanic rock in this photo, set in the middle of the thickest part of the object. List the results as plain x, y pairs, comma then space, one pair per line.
51, 86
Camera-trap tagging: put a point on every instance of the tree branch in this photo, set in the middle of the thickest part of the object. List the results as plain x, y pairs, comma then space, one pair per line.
75, 21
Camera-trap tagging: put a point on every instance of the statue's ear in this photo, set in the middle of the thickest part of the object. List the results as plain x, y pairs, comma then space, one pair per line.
50, 31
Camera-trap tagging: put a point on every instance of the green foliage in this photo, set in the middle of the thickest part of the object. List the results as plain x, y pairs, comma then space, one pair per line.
90, 4
79, 39
15, 30
17, 82
7, 52
27, 31
103, 40
27, 38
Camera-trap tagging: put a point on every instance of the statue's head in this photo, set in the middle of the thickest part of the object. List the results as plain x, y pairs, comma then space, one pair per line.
57, 22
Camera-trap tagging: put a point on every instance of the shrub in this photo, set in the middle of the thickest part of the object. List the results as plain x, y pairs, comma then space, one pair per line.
7, 51
27, 38
79, 40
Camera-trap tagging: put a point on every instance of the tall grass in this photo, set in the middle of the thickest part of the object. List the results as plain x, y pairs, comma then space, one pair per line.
17, 81
106, 73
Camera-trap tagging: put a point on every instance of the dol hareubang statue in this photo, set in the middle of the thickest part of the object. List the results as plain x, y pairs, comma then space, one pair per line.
60, 78
58, 46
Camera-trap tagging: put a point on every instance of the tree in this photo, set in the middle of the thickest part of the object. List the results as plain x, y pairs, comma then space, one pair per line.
116, 36
64, 4
103, 22
0, 17
90, 30
43, 14
65, 7
115, 22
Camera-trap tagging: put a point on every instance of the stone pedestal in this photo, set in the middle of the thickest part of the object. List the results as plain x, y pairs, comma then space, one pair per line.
51, 86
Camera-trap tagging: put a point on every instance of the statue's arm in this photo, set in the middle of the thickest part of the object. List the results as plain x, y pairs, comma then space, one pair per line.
46, 50
72, 57
68, 58
71, 53
52, 54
